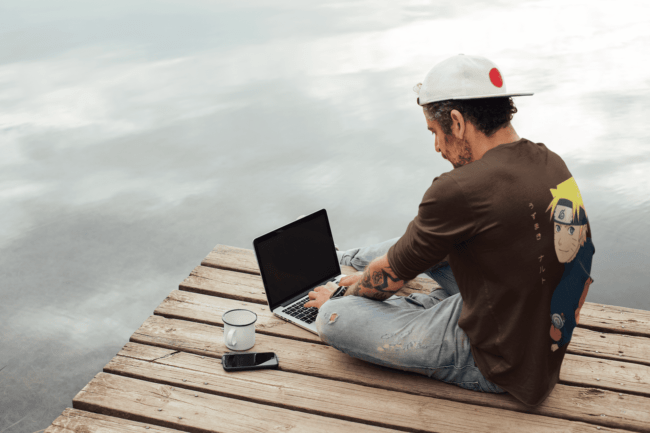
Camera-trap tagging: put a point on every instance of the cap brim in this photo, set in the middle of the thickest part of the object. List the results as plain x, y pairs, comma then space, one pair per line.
503, 95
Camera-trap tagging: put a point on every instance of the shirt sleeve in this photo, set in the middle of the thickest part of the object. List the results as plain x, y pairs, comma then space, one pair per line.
444, 218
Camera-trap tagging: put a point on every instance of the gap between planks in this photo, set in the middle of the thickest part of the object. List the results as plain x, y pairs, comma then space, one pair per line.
80, 421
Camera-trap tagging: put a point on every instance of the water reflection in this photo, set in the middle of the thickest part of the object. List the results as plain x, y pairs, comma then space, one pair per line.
136, 136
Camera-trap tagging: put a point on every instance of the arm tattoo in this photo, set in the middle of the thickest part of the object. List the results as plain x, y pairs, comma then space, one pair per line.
380, 280
376, 283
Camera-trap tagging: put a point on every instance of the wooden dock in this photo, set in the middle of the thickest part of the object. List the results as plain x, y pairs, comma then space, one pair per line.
169, 377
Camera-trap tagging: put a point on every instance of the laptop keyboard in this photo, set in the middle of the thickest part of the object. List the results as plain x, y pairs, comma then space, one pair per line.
297, 310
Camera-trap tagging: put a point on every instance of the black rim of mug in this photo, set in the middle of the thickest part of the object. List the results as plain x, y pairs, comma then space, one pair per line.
238, 309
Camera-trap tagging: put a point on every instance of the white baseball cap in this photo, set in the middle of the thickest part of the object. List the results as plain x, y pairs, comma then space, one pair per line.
463, 77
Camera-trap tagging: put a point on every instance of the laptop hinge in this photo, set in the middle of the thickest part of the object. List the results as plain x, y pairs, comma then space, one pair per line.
301, 295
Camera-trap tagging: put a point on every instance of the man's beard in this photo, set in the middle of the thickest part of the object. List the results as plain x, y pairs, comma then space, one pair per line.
461, 149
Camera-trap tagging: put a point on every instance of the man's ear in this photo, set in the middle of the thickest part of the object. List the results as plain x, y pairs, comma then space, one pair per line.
458, 125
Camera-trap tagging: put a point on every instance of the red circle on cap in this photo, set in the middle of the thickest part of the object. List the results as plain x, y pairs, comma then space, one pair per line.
495, 77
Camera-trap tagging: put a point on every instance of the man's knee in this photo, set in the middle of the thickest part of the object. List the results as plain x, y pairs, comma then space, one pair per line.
328, 318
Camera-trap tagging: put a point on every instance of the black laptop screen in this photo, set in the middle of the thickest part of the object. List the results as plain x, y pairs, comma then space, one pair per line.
297, 257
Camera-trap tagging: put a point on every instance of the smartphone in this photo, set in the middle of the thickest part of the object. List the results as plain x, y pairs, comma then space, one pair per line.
249, 361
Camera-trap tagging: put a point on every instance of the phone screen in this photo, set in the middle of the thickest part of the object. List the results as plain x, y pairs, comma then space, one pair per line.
249, 359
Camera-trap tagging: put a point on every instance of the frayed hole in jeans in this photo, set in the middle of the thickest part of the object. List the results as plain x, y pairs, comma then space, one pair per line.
333, 318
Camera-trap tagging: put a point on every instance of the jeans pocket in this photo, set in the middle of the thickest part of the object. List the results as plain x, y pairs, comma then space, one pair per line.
439, 295
420, 299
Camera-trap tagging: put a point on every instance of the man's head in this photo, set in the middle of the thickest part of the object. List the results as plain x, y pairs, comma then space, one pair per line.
468, 107
460, 126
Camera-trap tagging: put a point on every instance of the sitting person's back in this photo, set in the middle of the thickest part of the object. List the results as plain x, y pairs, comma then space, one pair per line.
513, 223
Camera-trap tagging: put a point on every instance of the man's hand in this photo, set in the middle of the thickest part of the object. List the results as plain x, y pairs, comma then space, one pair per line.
320, 295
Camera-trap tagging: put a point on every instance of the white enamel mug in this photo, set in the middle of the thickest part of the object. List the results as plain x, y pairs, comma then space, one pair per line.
239, 329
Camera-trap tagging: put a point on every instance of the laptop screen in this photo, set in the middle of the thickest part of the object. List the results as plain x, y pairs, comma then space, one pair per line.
297, 257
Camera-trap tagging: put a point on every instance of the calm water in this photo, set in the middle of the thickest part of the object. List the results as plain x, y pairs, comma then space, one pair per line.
136, 136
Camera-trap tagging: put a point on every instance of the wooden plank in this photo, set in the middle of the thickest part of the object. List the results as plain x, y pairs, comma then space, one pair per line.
325, 361
225, 284
209, 309
617, 375
79, 421
195, 411
363, 404
610, 346
598, 317
608, 318
233, 259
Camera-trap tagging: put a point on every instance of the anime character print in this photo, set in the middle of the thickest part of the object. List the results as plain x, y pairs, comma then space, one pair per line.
575, 250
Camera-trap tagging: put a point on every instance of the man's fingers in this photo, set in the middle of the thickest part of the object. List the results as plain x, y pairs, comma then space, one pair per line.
312, 303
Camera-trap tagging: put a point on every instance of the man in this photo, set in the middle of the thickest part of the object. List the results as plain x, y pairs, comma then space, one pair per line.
481, 233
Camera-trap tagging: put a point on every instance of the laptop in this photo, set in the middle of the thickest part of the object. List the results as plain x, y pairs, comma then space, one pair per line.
294, 260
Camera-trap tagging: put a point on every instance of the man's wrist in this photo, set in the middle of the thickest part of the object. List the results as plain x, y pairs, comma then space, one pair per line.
338, 292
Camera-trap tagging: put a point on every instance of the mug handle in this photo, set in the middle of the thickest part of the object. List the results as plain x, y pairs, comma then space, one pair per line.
230, 338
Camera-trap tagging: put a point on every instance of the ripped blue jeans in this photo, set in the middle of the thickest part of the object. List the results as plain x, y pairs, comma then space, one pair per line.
418, 333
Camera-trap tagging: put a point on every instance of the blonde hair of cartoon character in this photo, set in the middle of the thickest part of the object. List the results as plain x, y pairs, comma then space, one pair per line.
568, 237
